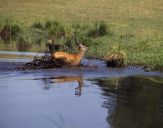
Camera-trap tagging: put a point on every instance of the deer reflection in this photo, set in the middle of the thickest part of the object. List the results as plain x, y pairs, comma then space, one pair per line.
65, 79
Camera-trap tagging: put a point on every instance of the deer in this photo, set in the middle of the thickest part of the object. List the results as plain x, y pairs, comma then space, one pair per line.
70, 58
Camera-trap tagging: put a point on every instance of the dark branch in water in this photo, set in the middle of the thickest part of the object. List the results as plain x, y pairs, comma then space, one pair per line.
40, 63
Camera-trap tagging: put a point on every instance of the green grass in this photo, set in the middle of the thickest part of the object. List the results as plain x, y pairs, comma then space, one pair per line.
135, 26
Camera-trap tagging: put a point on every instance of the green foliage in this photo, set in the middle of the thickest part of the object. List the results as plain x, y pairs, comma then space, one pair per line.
15, 29
37, 37
56, 24
100, 29
48, 24
50, 29
23, 44
54, 29
38, 25
58, 31
51, 25
10, 31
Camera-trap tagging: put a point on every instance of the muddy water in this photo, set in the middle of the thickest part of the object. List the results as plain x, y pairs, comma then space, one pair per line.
96, 97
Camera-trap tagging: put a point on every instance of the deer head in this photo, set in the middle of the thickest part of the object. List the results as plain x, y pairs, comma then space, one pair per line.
82, 47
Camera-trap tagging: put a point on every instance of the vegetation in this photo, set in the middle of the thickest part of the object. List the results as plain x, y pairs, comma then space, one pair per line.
100, 29
10, 30
116, 59
22, 44
134, 26
37, 25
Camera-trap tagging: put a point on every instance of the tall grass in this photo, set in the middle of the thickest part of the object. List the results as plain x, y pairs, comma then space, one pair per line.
99, 29
37, 25
10, 30
23, 44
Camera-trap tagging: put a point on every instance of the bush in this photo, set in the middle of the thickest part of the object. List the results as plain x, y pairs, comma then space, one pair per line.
53, 28
37, 36
55, 23
116, 58
48, 25
86, 41
100, 29
73, 39
10, 30
22, 44
58, 31
38, 25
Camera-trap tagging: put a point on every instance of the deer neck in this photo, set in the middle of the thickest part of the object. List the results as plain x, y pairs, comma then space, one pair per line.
81, 54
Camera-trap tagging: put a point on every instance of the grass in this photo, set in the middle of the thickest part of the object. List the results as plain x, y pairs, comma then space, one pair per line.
10, 30
135, 26
100, 29
22, 44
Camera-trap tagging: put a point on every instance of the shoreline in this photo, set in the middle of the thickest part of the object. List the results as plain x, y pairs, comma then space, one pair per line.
86, 64
24, 57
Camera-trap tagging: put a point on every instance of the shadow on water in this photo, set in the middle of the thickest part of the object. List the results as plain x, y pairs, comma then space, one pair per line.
133, 102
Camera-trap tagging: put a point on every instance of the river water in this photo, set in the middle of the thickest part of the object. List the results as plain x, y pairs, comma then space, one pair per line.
96, 97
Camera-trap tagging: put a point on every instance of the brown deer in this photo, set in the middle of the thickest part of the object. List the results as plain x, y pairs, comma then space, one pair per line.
70, 59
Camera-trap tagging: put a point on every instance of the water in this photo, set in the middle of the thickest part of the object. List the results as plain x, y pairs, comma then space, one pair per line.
80, 98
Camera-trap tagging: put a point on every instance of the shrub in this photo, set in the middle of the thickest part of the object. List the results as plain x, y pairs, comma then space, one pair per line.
10, 30
55, 23
22, 44
58, 31
116, 58
86, 41
38, 25
48, 25
73, 39
76, 26
37, 36
100, 29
